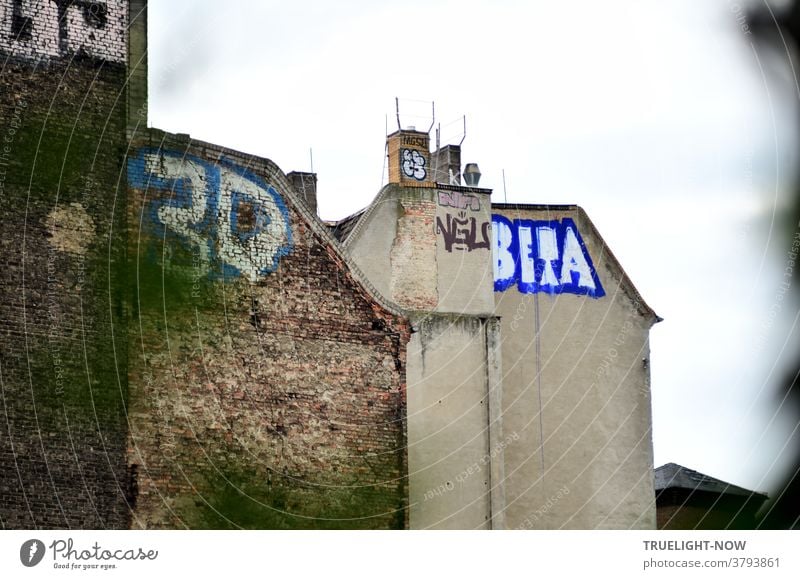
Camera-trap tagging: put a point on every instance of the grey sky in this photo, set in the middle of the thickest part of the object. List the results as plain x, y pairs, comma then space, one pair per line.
655, 117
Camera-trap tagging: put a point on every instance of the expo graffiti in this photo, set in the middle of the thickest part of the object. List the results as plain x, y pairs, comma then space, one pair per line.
542, 256
235, 223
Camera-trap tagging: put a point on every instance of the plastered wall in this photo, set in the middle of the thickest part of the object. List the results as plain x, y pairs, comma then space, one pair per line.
575, 379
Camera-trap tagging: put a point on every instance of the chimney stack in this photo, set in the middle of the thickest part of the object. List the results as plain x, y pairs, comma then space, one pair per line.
446, 165
305, 185
410, 158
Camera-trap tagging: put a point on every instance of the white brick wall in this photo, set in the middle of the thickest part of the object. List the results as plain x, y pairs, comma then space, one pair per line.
106, 41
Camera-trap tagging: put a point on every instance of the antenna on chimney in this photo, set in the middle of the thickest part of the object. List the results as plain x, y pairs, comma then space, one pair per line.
413, 127
385, 147
465, 131
438, 135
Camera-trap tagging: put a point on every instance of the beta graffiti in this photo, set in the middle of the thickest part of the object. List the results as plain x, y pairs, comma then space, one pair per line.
542, 256
235, 223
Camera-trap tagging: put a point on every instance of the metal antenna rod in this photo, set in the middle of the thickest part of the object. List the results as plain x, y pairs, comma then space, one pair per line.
385, 147
465, 131
436, 167
433, 115
397, 111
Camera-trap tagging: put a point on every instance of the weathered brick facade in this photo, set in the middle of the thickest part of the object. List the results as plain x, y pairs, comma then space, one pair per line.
62, 329
266, 380
186, 345
271, 400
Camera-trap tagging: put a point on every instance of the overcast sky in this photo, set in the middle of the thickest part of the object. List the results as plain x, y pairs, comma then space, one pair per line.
656, 117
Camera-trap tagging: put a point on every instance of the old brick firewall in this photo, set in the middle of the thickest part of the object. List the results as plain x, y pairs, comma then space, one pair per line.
62, 361
261, 397
266, 385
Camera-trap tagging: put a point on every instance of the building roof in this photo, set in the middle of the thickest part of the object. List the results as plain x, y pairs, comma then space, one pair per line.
346, 228
341, 229
675, 476
626, 284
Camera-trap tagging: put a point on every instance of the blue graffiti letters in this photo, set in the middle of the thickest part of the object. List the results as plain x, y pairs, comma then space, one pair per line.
542, 256
237, 223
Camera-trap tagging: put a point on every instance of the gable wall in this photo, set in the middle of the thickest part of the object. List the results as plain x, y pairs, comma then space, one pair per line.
576, 396
267, 386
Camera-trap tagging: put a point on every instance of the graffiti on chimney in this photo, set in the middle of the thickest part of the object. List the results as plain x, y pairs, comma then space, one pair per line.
459, 200
542, 256
413, 163
93, 28
235, 222
463, 233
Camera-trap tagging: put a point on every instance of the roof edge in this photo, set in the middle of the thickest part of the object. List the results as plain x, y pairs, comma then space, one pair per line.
626, 283
366, 212
317, 226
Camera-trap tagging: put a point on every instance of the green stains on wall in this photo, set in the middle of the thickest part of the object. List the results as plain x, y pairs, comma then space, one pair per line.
250, 499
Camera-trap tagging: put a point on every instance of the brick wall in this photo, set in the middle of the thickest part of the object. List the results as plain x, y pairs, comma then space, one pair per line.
413, 282
62, 332
267, 384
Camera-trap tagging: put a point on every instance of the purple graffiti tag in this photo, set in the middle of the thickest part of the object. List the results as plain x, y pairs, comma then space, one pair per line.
459, 200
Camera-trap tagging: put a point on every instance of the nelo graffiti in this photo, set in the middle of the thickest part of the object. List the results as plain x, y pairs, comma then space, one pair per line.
459, 200
235, 222
463, 233
542, 256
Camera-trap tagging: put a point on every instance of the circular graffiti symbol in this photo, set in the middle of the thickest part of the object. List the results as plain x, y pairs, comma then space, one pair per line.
414, 164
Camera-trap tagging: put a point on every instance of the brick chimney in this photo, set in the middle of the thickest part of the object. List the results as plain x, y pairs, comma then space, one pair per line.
305, 185
410, 158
